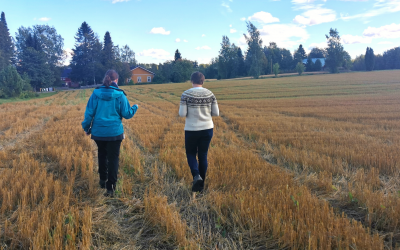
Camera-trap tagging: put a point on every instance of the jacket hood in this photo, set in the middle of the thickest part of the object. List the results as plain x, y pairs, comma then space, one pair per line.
108, 94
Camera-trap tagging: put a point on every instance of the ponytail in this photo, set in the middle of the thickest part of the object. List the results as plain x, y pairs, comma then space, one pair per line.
110, 76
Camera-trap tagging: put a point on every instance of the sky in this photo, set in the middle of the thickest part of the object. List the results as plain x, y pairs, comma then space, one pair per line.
154, 29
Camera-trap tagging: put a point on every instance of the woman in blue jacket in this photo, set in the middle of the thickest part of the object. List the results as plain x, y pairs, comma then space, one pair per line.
103, 120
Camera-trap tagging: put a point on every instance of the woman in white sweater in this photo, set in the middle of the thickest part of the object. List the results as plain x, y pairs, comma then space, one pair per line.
198, 105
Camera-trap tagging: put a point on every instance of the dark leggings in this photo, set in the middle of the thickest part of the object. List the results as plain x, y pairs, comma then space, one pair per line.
197, 144
108, 155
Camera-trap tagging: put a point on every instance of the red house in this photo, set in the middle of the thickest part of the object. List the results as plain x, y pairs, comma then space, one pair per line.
65, 77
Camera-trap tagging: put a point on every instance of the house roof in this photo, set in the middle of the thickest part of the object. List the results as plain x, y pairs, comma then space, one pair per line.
66, 72
314, 60
143, 69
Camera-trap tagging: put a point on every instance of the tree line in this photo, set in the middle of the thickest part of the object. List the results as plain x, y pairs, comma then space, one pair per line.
35, 59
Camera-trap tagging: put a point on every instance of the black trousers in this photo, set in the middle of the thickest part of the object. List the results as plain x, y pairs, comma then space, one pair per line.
108, 155
197, 144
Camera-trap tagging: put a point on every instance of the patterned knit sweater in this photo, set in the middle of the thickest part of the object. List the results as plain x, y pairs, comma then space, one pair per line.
198, 105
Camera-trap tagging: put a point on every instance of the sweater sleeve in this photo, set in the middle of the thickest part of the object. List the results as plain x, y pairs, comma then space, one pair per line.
127, 111
214, 107
90, 112
183, 106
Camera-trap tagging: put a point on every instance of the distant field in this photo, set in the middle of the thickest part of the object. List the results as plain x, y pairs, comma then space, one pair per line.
308, 162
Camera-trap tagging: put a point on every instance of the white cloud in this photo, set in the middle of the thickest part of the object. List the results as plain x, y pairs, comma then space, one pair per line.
315, 15
203, 47
387, 31
385, 42
233, 30
228, 8
203, 35
44, 19
230, 25
177, 40
380, 7
160, 30
285, 35
120, 1
350, 39
156, 54
263, 17
185, 41
243, 19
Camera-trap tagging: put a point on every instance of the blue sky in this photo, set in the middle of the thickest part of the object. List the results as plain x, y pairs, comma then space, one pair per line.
154, 29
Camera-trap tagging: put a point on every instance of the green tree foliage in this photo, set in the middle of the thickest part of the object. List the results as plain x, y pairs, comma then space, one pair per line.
335, 51
241, 63
299, 54
211, 70
318, 65
228, 59
369, 59
178, 55
127, 55
282, 56
255, 55
392, 58
317, 53
310, 66
39, 54
86, 61
12, 84
300, 68
359, 63
347, 62
108, 52
6, 44
276, 69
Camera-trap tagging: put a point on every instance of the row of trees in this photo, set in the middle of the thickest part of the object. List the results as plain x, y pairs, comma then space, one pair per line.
37, 56
389, 60
91, 58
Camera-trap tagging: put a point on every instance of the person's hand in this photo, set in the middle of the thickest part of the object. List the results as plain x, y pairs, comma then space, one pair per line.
137, 106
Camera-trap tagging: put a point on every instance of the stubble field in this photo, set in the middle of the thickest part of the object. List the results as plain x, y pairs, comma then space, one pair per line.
307, 162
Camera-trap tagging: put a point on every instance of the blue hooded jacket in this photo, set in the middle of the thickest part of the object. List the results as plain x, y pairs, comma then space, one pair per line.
105, 110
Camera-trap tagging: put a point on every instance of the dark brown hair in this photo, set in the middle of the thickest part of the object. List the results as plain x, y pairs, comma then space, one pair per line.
111, 76
197, 78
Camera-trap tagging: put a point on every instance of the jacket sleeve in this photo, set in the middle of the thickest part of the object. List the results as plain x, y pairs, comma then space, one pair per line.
214, 107
183, 106
127, 111
90, 112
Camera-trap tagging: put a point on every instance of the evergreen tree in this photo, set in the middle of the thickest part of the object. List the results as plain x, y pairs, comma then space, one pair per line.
310, 65
335, 51
108, 53
178, 56
300, 54
6, 44
369, 59
255, 55
85, 60
318, 65
227, 59
240, 63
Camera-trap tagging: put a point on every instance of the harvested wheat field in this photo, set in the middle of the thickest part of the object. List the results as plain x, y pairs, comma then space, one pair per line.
309, 162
